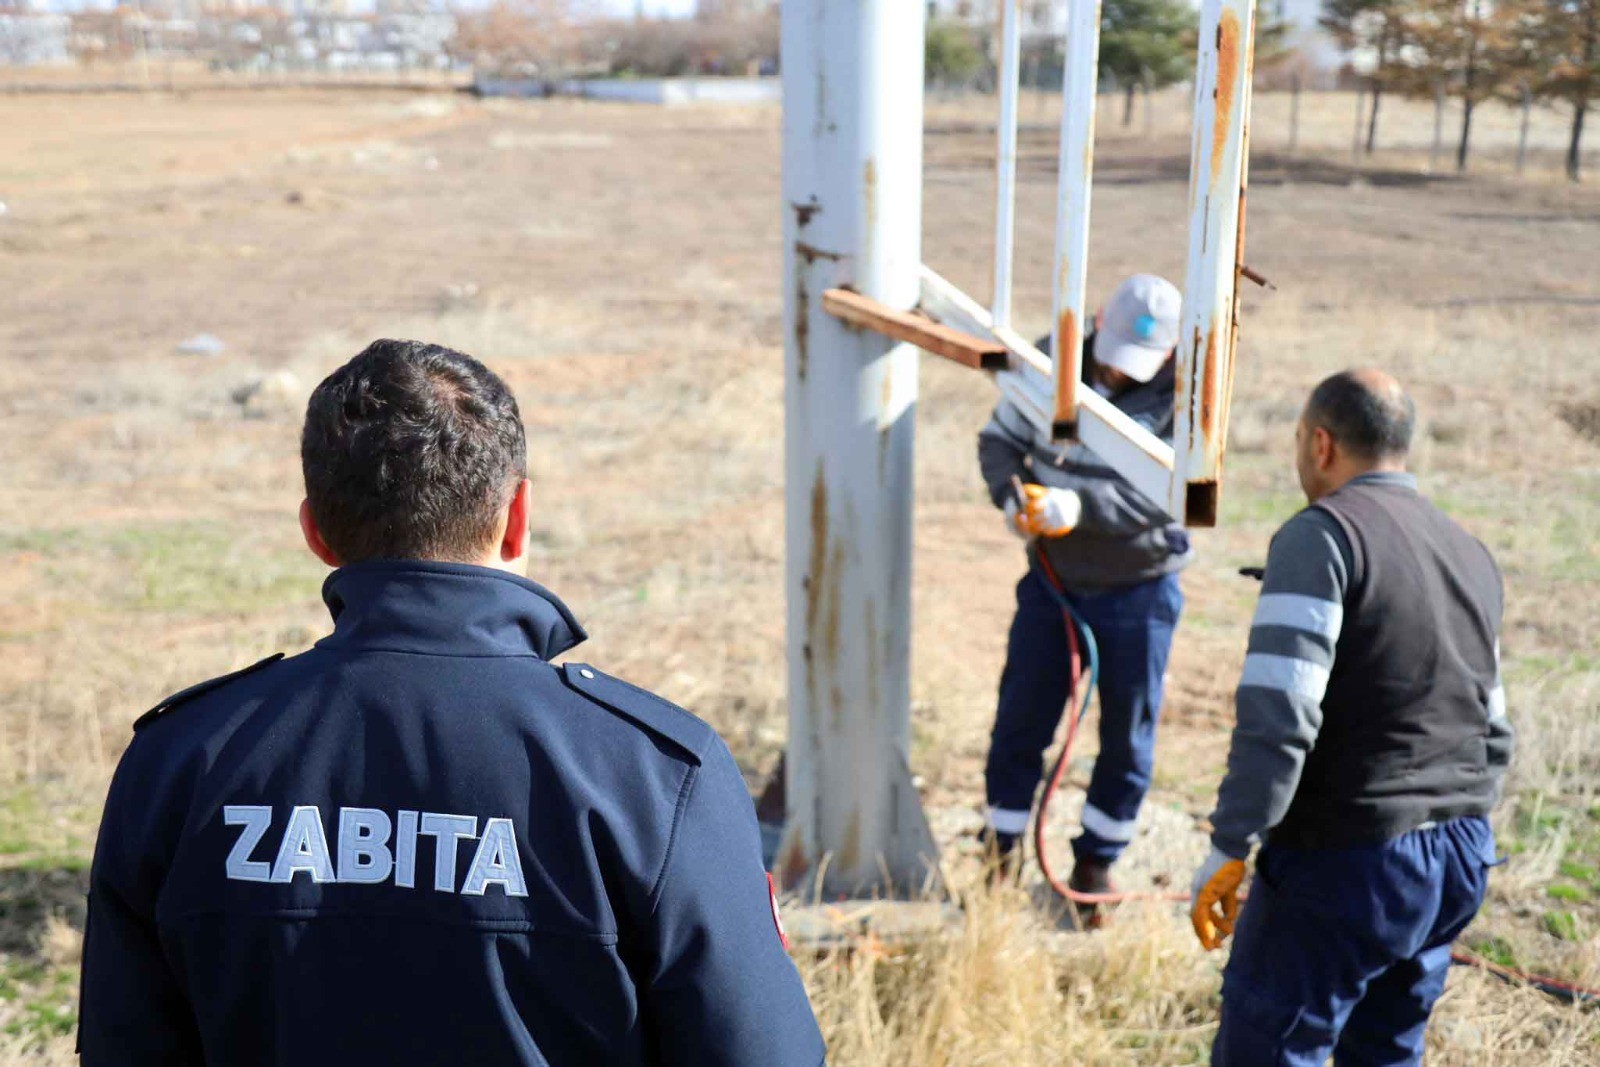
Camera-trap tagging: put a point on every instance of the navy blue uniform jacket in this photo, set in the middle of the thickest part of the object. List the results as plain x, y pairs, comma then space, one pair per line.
420, 842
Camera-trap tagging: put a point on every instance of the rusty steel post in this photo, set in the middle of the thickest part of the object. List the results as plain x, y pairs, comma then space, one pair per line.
852, 191
1209, 326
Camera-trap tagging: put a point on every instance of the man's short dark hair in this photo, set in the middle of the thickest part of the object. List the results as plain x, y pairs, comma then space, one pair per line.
410, 450
1368, 414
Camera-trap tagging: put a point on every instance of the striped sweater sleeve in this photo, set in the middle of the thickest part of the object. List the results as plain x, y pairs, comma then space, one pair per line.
1502, 738
1279, 700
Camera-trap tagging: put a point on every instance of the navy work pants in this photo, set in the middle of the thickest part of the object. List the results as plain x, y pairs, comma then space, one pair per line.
1344, 951
1133, 627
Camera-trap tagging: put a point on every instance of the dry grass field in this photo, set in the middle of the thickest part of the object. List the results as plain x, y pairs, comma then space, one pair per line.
620, 268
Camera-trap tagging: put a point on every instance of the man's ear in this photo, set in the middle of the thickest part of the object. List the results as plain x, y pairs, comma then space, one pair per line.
1324, 448
519, 522
313, 536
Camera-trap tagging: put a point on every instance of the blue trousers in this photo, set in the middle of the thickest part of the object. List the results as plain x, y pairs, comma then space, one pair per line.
1345, 951
1133, 627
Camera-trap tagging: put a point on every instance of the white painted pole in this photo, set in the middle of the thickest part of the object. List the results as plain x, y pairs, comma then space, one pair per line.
852, 190
1209, 327
1005, 193
1075, 175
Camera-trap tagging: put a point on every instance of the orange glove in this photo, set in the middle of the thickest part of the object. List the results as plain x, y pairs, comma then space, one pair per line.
1215, 905
1044, 512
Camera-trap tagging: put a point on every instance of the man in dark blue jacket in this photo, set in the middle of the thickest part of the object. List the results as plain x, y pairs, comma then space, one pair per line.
421, 842
1114, 556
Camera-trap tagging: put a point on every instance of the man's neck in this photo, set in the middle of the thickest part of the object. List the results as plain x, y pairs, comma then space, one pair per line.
1355, 471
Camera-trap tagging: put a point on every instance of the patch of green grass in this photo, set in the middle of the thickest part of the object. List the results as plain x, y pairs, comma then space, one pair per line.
173, 566
1563, 925
1538, 820
1580, 872
42, 1000
1494, 949
1572, 894
1270, 508
47, 833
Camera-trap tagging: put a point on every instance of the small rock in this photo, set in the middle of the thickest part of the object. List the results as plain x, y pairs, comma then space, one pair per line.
277, 390
202, 344
3, 208
431, 163
458, 295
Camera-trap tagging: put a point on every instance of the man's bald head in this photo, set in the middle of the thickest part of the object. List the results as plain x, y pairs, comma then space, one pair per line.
1367, 414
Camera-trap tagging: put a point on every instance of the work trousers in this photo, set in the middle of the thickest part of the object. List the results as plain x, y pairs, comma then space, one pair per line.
1133, 627
1345, 951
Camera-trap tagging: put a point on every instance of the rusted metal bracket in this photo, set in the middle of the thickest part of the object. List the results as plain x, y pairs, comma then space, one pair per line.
867, 314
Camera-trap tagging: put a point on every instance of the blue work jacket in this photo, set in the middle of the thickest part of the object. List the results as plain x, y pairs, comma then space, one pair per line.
420, 842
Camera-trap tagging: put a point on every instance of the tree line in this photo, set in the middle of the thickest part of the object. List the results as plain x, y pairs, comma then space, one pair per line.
1517, 51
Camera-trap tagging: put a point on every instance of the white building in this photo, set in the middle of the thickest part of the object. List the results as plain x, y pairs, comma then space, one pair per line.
33, 40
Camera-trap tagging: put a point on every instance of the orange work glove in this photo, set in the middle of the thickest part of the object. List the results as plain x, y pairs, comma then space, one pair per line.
1044, 512
1214, 906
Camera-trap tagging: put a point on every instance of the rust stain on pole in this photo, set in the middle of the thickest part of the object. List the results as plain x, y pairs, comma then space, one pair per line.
822, 597
1208, 390
1227, 85
1066, 413
802, 326
791, 863
849, 853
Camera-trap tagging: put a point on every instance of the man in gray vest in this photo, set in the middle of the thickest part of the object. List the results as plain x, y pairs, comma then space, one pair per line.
1370, 747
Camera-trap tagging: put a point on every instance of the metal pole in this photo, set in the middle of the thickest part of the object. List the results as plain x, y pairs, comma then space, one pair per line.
1522, 135
1438, 128
1294, 114
1361, 108
852, 209
1210, 322
1005, 194
1075, 174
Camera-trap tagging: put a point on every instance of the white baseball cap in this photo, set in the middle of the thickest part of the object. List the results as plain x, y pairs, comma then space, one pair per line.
1138, 327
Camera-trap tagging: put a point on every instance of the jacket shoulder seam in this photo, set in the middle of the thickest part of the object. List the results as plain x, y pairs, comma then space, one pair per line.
678, 816
184, 696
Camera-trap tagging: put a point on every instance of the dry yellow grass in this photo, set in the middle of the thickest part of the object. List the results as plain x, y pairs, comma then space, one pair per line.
620, 268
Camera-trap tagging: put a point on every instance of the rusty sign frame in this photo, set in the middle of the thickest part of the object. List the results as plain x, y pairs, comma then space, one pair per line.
1183, 478
858, 303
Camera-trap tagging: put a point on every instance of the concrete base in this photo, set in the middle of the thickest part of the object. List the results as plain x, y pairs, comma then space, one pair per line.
892, 924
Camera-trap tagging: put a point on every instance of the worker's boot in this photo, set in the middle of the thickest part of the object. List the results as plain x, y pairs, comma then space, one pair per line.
1091, 876
1002, 856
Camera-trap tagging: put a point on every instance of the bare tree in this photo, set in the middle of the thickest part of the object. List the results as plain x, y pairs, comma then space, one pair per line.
1475, 48
1572, 56
546, 38
1375, 27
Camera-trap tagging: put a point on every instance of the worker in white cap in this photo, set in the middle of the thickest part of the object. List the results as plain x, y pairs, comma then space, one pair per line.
1113, 556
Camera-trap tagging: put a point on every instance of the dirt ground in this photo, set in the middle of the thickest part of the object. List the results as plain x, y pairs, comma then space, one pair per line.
620, 267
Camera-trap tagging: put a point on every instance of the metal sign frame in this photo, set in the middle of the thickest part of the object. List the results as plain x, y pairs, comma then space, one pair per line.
857, 299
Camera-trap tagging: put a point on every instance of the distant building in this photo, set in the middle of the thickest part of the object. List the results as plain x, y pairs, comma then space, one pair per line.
29, 40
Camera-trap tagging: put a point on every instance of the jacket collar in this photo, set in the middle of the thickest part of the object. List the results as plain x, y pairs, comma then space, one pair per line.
1402, 479
445, 609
